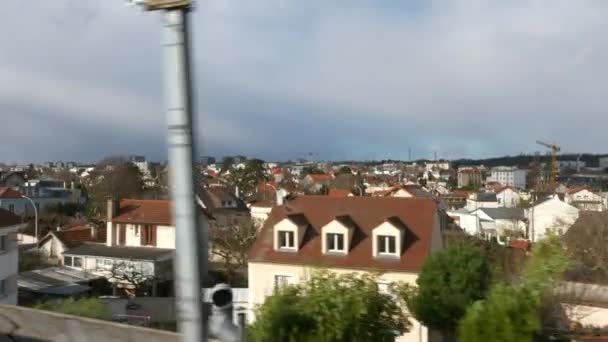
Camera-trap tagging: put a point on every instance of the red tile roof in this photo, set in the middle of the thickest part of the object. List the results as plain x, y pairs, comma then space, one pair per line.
320, 177
418, 215
8, 219
573, 190
76, 235
338, 193
144, 211
9, 193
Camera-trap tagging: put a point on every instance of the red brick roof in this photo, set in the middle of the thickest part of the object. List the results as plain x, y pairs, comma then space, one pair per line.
573, 190
144, 211
338, 193
76, 235
9, 193
418, 215
320, 177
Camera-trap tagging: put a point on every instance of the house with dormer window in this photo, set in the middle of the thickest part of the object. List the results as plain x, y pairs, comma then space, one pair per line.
345, 234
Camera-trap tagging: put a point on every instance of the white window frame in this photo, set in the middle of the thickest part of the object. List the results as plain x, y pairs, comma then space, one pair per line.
335, 236
72, 261
286, 279
387, 245
287, 245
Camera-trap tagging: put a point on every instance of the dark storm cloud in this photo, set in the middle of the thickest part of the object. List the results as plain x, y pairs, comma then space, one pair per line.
279, 79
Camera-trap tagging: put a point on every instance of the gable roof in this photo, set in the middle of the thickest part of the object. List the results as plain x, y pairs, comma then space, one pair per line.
574, 190
416, 215
504, 213
486, 197
8, 219
144, 211
9, 193
74, 236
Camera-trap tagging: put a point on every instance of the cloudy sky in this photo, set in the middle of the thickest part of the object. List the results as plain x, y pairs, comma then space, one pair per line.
276, 79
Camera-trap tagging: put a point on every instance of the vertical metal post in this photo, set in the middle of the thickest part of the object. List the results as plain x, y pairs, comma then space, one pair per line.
242, 326
190, 251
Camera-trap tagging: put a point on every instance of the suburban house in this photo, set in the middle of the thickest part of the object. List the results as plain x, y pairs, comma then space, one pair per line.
314, 183
550, 215
13, 180
507, 197
9, 256
584, 199
48, 191
55, 243
139, 235
482, 200
351, 234
501, 221
223, 204
509, 176
456, 199
12, 201
469, 178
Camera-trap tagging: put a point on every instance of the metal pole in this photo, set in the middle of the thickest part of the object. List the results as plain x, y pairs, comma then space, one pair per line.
187, 268
35, 216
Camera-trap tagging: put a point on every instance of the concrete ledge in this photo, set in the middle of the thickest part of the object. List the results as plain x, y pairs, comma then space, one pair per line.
29, 324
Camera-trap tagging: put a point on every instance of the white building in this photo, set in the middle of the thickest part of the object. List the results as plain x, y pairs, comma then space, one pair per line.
603, 161
466, 220
437, 166
570, 164
550, 216
507, 197
482, 200
354, 234
9, 256
584, 199
509, 176
501, 221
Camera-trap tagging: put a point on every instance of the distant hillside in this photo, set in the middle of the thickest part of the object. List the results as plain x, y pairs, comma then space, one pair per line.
524, 160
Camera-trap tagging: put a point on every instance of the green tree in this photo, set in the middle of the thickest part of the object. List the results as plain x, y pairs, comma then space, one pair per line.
248, 177
310, 170
449, 282
330, 307
85, 307
512, 312
345, 170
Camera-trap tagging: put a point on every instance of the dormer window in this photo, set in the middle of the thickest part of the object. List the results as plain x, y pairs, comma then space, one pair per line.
387, 245
388, 238
289, 233
286, 240
335, 243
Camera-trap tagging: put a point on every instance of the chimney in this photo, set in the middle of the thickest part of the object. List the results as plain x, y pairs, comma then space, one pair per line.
112, 208
236, 191
280, 198
94, 232
58, 229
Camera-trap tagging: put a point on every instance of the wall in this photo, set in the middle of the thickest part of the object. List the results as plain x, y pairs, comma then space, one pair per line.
9, 264
261, 285
468, 222
552, 214
40, 325
165, 235
20, 205
508, 198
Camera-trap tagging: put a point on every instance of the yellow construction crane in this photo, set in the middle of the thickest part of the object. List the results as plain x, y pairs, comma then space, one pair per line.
554, 149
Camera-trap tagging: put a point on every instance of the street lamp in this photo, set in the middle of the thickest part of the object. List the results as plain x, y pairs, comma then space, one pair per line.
35, 216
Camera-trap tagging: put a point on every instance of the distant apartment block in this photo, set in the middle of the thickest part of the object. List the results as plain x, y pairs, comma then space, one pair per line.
509, 176
469, 177
207, 160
